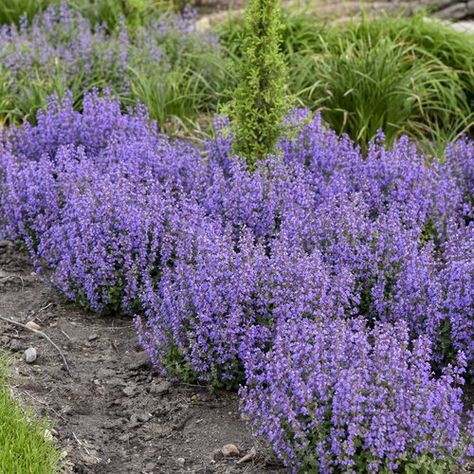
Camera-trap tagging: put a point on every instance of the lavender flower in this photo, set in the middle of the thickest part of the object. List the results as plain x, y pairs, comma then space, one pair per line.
334, 396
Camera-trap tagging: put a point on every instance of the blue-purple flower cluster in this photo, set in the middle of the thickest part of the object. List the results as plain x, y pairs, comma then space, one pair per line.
60, 39
327, 279
60, 50
336, 396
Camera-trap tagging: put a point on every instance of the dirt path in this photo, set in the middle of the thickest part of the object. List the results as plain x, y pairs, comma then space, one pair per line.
117, 415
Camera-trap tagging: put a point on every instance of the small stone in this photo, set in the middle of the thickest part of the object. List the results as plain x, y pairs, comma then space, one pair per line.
33, 325
160, 388
150, 466
181, 461
30, 355
93, 337
129, 391
144, 417
230, 450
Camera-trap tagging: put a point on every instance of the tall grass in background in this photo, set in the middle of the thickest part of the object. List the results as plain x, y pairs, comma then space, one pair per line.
178, 72
99, 12
24, 443
181, 76
12, 10
405, 75
185, 95
388, 85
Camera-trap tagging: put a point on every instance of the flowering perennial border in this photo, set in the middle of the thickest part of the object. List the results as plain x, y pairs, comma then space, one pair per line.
327, 281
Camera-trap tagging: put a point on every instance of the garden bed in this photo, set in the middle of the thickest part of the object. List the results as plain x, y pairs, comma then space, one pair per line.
116, 415
102, 416
309, 273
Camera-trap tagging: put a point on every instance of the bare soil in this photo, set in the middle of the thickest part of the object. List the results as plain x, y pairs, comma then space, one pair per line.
116, 414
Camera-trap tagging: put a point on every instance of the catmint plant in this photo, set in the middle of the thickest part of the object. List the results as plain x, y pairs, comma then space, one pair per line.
336, 396
335, 286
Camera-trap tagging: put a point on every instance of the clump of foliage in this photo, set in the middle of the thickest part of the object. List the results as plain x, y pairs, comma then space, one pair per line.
260, 99
24, 445
363, 86
178, 72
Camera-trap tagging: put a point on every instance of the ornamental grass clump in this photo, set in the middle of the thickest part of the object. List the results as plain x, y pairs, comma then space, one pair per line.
335, 396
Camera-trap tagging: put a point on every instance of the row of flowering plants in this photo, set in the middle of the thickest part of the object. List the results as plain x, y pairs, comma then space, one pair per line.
60, 50
334, 287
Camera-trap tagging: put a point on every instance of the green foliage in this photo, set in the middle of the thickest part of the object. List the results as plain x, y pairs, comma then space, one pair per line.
260, 98
406, 75
427, 465
31, 93
177, 367
24, 448
181, 90
12, 10
390, 86
111, 12
431, 37
7, 98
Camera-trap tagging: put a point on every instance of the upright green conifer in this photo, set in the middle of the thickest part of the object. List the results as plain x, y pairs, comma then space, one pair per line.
260, 97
